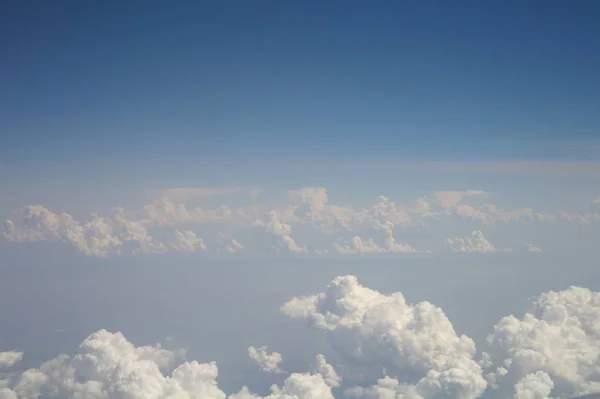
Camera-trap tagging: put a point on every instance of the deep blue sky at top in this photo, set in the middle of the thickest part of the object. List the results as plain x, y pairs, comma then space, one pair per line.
100, 81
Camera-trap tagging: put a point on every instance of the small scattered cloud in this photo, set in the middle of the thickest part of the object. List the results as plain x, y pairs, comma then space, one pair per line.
475, 242
308, 223
10, 358
187, 242
533, 248
268, 362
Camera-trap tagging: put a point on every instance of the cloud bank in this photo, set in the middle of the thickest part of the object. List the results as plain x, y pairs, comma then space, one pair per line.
387, 347
305, 223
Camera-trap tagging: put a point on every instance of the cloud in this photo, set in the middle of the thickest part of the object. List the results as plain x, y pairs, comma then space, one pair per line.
415, 344
390, 245
282, 230
533, 248
556, 343
307, 223
536, 385
476, 242
95, 237
387, 348
268, 362
106, 365
330, 376
187, 242
10, 358
296, 386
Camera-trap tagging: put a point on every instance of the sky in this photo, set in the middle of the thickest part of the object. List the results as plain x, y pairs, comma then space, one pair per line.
398, 199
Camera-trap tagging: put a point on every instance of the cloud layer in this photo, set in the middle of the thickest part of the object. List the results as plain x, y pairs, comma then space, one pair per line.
305, 223
387, 347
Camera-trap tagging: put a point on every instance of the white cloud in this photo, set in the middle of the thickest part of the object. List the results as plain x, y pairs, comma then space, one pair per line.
556, 343
10, 358
268, 362
390, 349
329, 374
106, 365
533, 248
475, 242
235, 246
416, 344
536, 385
164, 225
282, 230
296, 386
187, 242
94, 237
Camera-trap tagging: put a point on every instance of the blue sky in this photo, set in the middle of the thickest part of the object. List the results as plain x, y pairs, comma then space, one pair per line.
155, 84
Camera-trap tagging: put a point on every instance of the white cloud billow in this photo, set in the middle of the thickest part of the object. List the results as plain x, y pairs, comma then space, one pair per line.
164, 225
475, 242
106, 365
389, 349
330, 376
415, 344
268, 362
556, 343
282, 230
10, 358
187, 242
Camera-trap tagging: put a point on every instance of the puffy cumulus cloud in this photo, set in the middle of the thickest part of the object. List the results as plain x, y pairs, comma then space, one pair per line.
296, 386
389, 349
165, 212
134, 231
554, 347
231, 244
330, 376
10, 358
95, 237
106, 365
187, 242
268, 362
475, 242
537, 385
415, 344
315, 197
390, 245
162, 225
282, 230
